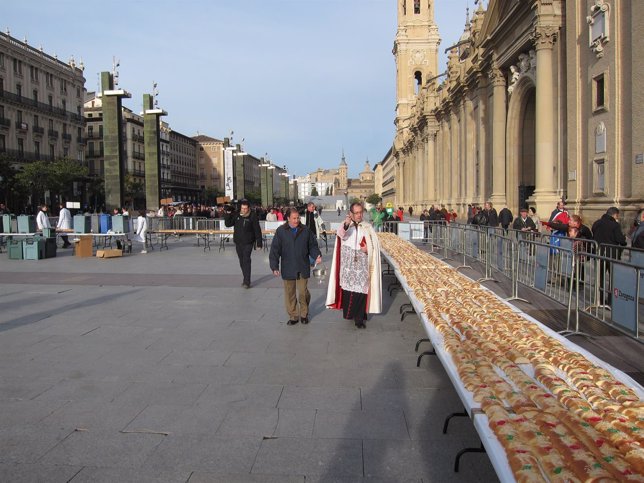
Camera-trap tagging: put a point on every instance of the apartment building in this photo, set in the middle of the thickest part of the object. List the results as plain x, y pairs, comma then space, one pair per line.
41, 103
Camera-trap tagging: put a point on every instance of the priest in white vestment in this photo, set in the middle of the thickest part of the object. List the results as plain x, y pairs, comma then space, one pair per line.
355, 280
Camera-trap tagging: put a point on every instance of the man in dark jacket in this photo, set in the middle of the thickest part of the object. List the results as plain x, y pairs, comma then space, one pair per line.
505, 218
607, 231
293, 246
524, 222
246, 235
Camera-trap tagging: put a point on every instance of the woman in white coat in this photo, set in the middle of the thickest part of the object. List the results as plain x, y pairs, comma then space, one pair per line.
142, 230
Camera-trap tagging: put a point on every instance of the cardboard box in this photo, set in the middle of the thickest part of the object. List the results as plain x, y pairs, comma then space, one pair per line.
83, 246
111, 253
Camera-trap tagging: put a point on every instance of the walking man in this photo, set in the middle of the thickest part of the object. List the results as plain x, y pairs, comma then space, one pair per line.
354, 284
65, 223
291, 248
246, 235
42, 219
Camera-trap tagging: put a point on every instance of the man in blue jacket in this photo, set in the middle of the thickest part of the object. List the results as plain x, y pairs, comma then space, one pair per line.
291, 250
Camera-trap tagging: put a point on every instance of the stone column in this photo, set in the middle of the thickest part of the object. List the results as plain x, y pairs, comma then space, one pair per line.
470, 153
113, 141
545, 187
498, 138
431, 178
464, 148
482, 139
454, 159
445, 162
152, 142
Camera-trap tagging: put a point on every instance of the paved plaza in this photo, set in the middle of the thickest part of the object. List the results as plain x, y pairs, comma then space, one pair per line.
161, 367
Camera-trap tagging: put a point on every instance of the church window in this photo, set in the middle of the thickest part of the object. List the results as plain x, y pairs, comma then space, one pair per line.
419, 81
416, 7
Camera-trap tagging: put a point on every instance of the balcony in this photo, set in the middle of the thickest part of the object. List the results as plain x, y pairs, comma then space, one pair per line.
22, 126
39, 130
137, 138
80, 140
41, 106
94, 135
94, 154
19, 155
140, 156
67, 137
5, 123
52, 133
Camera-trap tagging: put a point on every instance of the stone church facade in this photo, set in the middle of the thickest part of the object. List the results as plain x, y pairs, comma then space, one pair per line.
541, 100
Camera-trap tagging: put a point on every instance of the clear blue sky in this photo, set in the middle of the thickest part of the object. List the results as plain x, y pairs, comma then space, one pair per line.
298, 79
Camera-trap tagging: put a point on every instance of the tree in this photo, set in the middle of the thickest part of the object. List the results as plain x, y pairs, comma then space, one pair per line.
134, 189
211, 194
314, 191
7, 178
35, 179
63, 174
374, 199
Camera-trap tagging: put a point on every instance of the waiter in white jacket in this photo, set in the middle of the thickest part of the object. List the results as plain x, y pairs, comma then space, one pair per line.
42, 219
64, 223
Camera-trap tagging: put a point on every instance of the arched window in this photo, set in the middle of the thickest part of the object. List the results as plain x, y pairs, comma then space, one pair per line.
418, 75
416, 7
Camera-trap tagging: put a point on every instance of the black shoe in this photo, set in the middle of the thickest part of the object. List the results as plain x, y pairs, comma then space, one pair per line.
304, 320
246, 285
292, 322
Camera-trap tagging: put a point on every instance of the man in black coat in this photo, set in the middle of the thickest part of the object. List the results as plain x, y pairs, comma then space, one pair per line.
246, 235
505, 218
292, 249
607, 231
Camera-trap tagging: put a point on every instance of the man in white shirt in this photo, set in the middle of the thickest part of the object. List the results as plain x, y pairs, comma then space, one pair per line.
65, 223
42, 220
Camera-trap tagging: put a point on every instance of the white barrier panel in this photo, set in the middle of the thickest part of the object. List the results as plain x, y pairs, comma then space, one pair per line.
404, 231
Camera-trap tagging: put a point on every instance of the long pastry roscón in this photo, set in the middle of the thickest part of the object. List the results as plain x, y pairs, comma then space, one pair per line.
559, 416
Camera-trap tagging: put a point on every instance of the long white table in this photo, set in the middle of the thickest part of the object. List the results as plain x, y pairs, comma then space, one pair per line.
489, 441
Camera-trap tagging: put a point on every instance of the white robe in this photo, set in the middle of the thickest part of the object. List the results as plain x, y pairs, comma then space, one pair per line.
352, 237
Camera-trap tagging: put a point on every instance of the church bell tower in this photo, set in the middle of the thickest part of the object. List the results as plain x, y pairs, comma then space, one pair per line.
416, 53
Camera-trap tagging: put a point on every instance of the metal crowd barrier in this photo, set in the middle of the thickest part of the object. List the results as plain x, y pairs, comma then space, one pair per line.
578, 273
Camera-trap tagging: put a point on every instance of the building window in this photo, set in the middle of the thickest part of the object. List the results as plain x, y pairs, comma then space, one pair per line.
419, 81
416, 7
3, 145
37, 149
65, 152
1, 60
35, 93
18, 90
599, 92
17, 67
600, 176
50, 99
52, 152
404, 7
1, 85
18, 117
78, 92
36, 121
51, 124
598, 23
90, 131
64, 105
21, 148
